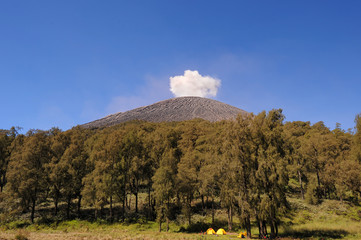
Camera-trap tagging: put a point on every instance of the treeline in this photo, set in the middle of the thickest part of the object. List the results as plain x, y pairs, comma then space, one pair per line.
247, 167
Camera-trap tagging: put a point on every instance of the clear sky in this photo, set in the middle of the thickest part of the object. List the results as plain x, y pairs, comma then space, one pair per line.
64, 63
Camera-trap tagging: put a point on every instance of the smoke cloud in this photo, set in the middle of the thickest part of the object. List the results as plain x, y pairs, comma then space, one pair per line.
194, 84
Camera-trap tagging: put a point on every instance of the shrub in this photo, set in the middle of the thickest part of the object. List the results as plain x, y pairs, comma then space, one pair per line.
22, 235
311, 196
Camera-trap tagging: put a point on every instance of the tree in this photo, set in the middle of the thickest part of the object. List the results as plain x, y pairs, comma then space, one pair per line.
102, 183
338, 153
165, 186
73, 162
318, 148
245, 173
192, 145
271, 178
294, 133
229, 168
6, 138
27, 176
208, 175
129, 149
356, 146
56, 171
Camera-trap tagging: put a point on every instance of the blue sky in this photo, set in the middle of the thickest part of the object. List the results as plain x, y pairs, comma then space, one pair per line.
64, 63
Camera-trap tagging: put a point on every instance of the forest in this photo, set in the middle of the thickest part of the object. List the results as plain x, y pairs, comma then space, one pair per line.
248, 167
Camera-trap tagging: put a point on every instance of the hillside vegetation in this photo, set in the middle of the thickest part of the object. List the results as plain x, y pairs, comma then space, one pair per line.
257, 173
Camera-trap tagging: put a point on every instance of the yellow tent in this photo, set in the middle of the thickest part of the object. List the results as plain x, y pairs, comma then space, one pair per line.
221, 232
242, 235
210, 231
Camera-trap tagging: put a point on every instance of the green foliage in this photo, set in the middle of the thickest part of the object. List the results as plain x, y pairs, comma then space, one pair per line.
312, 193
244, 168
354, 213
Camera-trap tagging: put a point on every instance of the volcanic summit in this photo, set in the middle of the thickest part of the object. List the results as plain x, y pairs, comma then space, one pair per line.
175, 109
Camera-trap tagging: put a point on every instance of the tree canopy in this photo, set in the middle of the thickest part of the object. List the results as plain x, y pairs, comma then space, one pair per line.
245, 167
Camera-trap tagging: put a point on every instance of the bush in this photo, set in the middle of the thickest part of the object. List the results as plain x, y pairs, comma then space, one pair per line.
22, 235
18, 224
354, 213
311, 196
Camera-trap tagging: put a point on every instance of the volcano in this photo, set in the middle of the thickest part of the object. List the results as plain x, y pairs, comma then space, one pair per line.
175, 109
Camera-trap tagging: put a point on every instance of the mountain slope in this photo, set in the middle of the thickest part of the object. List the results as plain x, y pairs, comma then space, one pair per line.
175, 109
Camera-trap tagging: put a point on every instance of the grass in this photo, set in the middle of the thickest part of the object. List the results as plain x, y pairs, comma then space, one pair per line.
85, 230
329, 220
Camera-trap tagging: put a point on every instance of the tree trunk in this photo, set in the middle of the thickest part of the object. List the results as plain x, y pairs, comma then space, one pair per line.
111, 209
149, 211
264, 229
259, 229
301, 184
149, 196
230, 218
272, 230
212, 210
130, 201
136, 199
79, 205
167, 223
56, 206
33, 210
189, 211
124, 196
68, 208
3, 182
167, 213
123, 209
248, 227
160, 225
203, 205
318, 178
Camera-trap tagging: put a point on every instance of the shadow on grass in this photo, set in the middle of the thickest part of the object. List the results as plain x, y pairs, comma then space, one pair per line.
321, 233
202, 227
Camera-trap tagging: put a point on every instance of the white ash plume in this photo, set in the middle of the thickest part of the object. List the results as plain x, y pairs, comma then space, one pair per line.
194, 84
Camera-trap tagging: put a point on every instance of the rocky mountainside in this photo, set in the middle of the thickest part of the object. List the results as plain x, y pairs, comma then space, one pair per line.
175, 109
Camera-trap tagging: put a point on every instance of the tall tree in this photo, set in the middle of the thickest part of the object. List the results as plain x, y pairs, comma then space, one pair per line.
192, 146
245, 172
356, 146
130, 152
165, 186
6, 138
315, 147
294, 132
27, 176
56, 171
74, 162
270, 170
101, 184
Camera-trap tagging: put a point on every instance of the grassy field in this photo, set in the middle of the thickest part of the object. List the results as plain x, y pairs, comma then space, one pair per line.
329, 220
84, 230
117, 231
